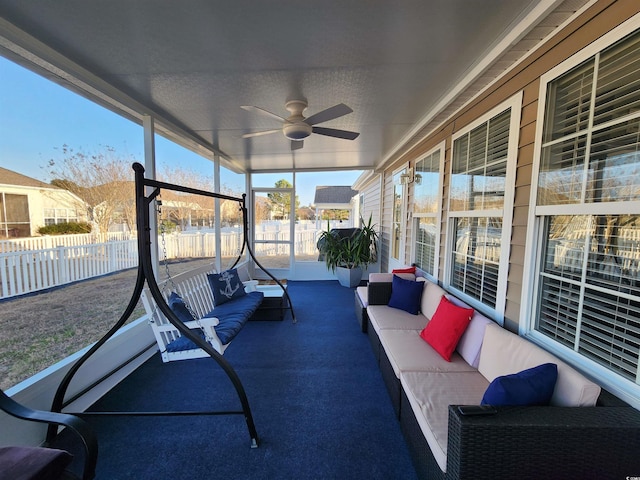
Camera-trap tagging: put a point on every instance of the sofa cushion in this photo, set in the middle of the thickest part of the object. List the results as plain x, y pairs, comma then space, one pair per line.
404, 270
446, 327
431, 298
383, 317
388, 277
533, 386
233, 315
406, 295
408, 352
33, 463
504, 353
177, 306
470, 344
431, 393
225, 286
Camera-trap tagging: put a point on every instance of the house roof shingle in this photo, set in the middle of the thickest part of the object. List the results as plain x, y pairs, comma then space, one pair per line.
9, 177
334, 194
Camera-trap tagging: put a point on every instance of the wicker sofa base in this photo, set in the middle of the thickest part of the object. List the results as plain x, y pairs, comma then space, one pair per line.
376, 347
531, 443
361, 313
391, 381
423, 460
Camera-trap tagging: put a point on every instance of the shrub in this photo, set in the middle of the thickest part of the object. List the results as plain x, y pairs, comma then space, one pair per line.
65, 228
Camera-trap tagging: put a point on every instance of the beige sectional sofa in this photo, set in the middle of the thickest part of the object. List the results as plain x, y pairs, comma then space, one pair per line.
563, 440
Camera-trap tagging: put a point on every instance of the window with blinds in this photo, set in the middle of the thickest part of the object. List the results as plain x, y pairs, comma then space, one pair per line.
427, 197
588, 274
477, 206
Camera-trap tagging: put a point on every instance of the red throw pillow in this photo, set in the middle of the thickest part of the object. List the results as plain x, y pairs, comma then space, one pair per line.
445, 328
404, 270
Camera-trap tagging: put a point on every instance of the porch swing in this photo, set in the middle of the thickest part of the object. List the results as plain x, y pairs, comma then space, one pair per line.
191, 297
186, 330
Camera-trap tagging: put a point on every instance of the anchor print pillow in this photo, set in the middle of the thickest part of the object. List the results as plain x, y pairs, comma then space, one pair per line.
225, 286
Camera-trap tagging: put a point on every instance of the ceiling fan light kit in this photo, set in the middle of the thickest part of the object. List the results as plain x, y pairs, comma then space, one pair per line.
296, 127
297, 131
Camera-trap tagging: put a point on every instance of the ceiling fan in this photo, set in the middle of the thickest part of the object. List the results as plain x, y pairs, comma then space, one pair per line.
296, 127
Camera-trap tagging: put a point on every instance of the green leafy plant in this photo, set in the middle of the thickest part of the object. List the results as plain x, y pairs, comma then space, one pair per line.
358, 250
65, 228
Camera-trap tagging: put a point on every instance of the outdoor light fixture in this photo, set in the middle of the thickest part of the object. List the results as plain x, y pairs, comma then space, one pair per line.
407, 177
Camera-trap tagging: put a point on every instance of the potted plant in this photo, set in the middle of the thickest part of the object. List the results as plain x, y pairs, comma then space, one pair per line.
348, 251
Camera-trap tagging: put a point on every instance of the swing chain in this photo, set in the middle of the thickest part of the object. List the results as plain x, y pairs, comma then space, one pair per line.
163, 243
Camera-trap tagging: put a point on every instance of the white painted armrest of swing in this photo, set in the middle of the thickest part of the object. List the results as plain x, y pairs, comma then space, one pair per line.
208, 322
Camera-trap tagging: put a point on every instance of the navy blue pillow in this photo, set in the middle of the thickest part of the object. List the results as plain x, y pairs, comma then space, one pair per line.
225, 286
533, 386
177, 306
406, 294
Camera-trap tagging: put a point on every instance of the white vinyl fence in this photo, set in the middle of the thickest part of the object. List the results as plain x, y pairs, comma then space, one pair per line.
31, 264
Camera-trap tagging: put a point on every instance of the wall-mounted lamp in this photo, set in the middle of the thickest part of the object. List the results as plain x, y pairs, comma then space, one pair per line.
407, 177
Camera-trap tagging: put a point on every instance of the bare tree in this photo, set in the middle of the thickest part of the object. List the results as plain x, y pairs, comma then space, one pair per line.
102, 179
186, 209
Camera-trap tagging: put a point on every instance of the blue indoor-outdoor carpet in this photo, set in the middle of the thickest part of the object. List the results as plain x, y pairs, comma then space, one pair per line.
317, 397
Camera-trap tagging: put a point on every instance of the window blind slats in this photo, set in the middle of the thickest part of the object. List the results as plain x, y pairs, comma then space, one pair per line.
570, 98
558, 309
618, 82
610, 332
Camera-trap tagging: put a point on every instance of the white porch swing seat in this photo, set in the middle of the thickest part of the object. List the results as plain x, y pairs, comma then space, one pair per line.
195, 290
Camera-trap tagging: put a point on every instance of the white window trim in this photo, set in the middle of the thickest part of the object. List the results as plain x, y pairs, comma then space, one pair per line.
621, 387
438, 215
515, 104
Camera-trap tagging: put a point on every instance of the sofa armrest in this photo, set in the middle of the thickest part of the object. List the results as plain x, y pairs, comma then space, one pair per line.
544, 442
378, 293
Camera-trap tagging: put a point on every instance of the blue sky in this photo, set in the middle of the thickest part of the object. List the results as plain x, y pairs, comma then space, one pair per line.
38, 117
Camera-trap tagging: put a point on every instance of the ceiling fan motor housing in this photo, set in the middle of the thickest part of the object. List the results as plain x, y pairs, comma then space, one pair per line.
297, 131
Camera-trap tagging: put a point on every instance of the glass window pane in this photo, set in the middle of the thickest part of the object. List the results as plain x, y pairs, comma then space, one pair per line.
562, 172
461, 192
476, 257
614, 253
480, 166
16, 208
596, 297
426, 234
614, 164
427, 183
558, 310
396, 225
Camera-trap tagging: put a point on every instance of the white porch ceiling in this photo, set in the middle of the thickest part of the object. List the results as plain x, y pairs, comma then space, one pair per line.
193, 63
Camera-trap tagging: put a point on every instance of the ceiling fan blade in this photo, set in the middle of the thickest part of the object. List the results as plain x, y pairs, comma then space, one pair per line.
328, 114
297, 144
332, 132
262, 111
258, 134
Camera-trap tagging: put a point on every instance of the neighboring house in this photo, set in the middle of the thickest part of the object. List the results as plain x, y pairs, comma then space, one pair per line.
336, 198
27, 204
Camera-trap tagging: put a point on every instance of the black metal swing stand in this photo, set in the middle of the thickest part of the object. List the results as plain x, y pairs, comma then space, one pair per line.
145, 272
